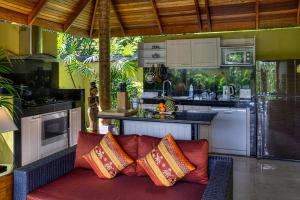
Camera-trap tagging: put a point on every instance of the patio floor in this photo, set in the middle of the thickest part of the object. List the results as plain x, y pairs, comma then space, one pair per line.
266, 179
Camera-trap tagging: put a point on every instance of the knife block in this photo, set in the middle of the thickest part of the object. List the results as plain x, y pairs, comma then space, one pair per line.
122, 101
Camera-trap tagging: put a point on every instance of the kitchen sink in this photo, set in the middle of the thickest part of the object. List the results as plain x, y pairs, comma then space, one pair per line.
181, 97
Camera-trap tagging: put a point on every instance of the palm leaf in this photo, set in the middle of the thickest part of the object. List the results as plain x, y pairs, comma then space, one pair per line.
5, 83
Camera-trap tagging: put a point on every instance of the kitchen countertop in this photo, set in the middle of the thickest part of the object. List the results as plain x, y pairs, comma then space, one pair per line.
217, 103
178, 117
47, 108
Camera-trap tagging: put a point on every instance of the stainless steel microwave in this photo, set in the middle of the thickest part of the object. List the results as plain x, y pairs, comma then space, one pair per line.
234, 56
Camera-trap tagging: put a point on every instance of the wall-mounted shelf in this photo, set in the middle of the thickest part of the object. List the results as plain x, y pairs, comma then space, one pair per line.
152, 53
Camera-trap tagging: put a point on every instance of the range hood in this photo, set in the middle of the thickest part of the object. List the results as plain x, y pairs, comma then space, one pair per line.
31, 45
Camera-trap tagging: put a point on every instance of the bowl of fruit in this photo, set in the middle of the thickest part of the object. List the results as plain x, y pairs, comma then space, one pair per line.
166, 108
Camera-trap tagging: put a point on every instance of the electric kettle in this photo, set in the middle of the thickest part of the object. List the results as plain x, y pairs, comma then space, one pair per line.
228, 90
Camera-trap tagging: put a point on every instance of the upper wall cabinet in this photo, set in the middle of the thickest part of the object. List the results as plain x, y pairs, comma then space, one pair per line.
179, 53
193, 53
205, 52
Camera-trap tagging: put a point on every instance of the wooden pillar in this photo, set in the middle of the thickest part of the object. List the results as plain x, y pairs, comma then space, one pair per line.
104, 61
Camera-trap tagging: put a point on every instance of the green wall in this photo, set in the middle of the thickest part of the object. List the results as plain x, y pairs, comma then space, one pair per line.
6, 147
271, 44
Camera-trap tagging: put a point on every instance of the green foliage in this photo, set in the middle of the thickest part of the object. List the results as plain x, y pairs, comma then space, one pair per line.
123, 67
68, 44
266, 81
238, 77
70, 48
126, 46
6, 84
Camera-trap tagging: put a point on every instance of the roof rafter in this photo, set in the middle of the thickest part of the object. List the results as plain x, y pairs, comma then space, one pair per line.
94, 18
298, 13
155, 11
118, 18
257, 6
208, 15
35, 11
79, 8
198, 14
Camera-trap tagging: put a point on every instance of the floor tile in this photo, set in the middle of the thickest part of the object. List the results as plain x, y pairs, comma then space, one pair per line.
265, 179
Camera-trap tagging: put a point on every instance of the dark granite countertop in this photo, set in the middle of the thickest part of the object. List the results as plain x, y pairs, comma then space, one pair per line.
237, 103
38, 110
178, 117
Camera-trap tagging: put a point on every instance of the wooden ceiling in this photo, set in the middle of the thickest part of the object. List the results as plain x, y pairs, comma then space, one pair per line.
153, 17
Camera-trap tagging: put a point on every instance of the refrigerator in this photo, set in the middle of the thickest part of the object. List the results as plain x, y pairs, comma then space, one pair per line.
278, 109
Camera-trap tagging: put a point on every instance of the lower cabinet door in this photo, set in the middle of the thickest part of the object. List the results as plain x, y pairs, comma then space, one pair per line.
229, 131
75, 124
158, 129
31, 139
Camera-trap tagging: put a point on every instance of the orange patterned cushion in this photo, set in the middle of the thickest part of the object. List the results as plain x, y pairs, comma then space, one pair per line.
166, 163
108, 158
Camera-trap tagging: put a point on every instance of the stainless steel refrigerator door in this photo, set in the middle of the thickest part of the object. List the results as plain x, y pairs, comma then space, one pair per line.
278, 110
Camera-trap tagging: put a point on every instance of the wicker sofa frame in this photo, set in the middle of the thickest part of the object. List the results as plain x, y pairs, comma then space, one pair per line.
46, 170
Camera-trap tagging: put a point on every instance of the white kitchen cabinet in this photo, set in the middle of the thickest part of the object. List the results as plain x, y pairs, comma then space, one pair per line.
205, 52
190, 108
230, 133
205, 133
179, 53
31, 139
157, 129
75, 124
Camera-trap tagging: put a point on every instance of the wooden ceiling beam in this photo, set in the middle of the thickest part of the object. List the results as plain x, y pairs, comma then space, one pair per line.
12, 16
35, 11
79, 8
298, 13
198, 14
209, 27
94, 18
157, 18
257, 6
118, 17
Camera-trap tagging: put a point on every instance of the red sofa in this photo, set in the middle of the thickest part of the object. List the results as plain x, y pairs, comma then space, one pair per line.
65, 176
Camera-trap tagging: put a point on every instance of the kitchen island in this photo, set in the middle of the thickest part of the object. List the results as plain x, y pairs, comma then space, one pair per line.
233, 129
183, 125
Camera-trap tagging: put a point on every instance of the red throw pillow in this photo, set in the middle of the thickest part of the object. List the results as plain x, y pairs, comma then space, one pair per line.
166, 163
87, 141
196, 151
108, 158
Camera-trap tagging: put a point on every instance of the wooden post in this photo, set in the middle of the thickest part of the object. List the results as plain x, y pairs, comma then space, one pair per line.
104, 57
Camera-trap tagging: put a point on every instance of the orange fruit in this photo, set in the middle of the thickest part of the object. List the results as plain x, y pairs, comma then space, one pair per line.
162, 109
161, 105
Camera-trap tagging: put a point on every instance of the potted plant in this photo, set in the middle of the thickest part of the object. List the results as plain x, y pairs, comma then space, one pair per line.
5, 83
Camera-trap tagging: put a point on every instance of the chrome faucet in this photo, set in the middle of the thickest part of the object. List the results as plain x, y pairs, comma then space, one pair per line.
166, 81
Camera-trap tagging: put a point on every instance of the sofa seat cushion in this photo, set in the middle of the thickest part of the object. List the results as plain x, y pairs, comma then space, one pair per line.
83, 184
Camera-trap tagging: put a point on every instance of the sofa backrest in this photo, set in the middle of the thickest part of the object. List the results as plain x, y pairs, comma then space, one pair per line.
138, 146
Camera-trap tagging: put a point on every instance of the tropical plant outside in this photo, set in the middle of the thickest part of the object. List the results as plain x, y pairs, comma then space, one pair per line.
6, 84
78, 55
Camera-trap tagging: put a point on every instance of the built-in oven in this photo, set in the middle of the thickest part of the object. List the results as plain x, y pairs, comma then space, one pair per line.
54, 127
54, 132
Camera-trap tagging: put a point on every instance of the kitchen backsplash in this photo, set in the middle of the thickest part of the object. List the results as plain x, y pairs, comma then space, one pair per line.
210, 80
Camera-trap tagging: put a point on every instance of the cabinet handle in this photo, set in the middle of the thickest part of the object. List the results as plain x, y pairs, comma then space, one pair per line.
36, 117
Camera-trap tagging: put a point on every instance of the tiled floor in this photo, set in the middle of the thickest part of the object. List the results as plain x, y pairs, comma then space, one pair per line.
265, 179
